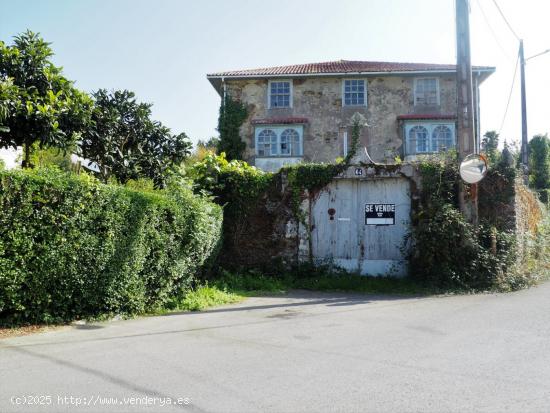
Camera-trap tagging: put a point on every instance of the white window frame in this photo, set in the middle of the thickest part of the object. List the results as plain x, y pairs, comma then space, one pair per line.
438, 100
430, 125
344, 92
270, 143
279, 129
291, 89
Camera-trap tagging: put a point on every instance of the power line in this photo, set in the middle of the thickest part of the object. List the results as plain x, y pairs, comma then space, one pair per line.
505, 20
509, 96
502, 48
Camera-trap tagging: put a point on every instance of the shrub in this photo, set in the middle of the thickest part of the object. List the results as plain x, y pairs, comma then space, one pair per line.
448, 251
451, 253
539, 162
544, 196
71, 247
238, 187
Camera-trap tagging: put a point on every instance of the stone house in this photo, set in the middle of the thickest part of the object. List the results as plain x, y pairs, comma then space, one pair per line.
302, 112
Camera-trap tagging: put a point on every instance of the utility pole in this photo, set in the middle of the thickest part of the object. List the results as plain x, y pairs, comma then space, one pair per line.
524, 147
465, 113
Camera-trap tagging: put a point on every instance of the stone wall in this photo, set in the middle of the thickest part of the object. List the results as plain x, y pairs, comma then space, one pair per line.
272, 238
511, 206
320, 101
266, 238
528, 215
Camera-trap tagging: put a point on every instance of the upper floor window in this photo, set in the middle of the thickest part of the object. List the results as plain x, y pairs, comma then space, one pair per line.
355, 92
426, 91
283, 140
280, 94
429, 137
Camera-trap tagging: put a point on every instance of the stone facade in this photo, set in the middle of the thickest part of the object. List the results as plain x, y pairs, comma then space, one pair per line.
319, 100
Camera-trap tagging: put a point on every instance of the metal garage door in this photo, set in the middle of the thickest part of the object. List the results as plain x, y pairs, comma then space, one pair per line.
361, 225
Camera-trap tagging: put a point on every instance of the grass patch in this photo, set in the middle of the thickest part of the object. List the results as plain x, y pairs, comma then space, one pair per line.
254, 283
360, 284
203, 297
199, 298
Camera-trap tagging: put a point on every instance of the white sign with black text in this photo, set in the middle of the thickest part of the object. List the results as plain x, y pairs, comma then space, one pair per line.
379, 214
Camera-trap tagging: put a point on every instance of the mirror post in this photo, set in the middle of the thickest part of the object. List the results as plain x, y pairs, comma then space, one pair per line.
465, 108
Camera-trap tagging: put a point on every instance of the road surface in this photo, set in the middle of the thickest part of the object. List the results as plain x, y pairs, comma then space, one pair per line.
305, 352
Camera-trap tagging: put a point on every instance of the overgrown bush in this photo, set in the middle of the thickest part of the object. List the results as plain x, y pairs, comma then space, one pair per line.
448, 251
237, 187
234, 182
71, 247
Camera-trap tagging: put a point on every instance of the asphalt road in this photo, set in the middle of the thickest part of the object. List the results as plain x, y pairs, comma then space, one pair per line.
303, 352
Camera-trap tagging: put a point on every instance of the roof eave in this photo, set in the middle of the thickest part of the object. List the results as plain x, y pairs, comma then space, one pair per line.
488, 70
484, 74
217, 79
217, 83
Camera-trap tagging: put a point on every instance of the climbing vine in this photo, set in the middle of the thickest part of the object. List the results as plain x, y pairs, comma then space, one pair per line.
232, 115
306, 179
239, 187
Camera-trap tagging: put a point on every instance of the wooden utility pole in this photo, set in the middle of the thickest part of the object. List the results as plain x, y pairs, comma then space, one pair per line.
466, 142
524, 146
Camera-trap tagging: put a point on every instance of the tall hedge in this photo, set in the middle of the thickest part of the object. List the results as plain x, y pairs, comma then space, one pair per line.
71, 247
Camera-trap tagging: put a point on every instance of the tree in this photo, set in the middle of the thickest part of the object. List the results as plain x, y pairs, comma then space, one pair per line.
209, 145
539, 162
126, 143
8, 102
489, 144
232, 115
38, 103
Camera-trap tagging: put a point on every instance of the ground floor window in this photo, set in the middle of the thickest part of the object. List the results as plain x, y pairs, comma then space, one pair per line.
429, 137
279, 140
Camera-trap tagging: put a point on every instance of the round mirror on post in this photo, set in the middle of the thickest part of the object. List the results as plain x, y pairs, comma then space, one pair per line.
473, 168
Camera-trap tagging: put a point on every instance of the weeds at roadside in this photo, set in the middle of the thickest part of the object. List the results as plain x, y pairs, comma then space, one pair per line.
316, 279
201, 298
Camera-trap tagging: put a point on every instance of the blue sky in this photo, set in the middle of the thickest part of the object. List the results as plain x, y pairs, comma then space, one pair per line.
163, 49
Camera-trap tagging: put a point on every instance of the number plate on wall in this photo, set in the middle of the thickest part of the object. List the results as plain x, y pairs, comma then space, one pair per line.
379, 214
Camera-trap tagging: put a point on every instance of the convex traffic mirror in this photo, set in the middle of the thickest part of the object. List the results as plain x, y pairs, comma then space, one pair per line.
473, 168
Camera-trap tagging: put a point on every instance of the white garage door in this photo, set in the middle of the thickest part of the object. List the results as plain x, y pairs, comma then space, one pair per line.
362, 225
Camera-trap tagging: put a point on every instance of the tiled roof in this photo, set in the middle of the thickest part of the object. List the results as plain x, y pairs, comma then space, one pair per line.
419, 116
279, 121
343, 66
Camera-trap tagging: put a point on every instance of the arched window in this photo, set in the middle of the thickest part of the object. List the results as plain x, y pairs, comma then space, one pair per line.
442, 138
290, 143
267, 143
418, 139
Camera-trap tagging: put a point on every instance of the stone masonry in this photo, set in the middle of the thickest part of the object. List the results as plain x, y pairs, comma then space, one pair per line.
319, 99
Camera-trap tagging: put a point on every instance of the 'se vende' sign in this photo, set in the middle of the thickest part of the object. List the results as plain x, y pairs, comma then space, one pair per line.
379, 214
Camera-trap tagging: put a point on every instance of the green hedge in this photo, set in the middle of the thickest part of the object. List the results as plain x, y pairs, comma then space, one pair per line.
71, 247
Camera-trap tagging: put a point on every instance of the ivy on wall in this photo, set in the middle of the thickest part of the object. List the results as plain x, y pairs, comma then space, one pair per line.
232, 115
243, 190
306, 179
